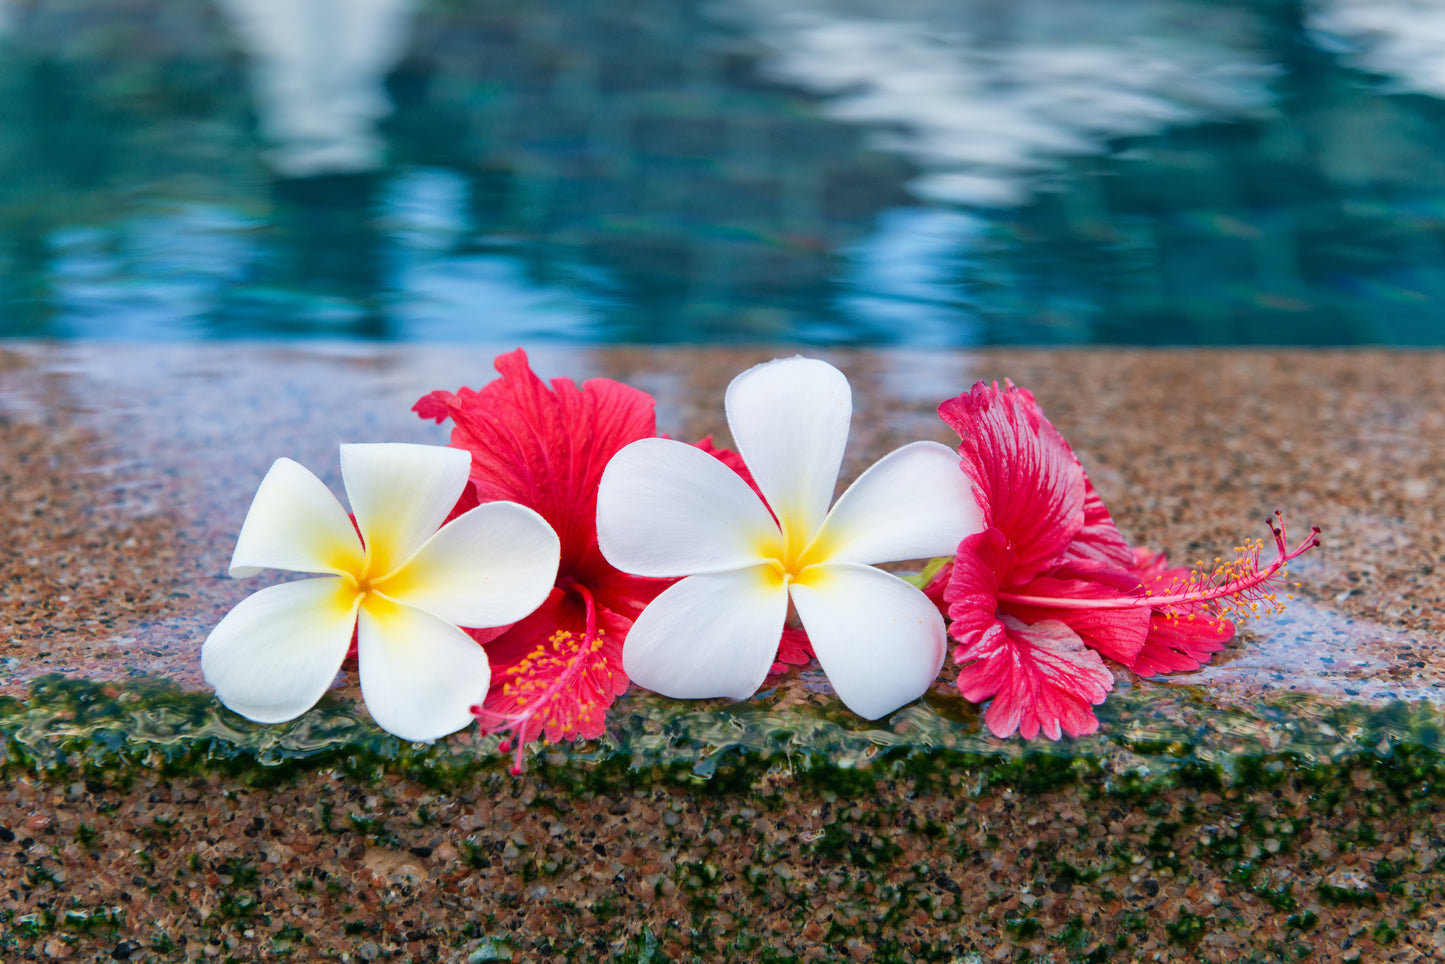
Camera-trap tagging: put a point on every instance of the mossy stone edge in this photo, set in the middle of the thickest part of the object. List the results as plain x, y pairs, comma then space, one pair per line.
1148, 741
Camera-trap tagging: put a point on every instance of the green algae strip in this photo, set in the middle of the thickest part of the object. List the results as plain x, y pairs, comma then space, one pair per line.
1150, 738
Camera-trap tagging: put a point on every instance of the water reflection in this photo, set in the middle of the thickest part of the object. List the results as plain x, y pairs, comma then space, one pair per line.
447, 289
984, 97
901, 278
1401, 39
317, 68
926, 173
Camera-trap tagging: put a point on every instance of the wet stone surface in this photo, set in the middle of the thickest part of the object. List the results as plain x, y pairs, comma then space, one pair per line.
1279, 805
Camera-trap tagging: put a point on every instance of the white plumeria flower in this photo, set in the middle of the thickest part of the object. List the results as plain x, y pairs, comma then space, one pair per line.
404, 586
669, 509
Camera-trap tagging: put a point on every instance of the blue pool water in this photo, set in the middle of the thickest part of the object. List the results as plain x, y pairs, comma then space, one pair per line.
926, 172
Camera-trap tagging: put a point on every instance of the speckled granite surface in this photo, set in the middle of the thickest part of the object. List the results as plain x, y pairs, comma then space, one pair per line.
126, 472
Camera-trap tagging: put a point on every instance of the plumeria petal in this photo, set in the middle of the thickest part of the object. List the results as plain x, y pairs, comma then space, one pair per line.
709, 635
911, 504
488, 567
272, 657
669, 509
420, 675
880, 640
1042, 679
400, 494
790, 421
295, 523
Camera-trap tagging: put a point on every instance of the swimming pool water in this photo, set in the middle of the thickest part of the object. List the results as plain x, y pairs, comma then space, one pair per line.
935, 172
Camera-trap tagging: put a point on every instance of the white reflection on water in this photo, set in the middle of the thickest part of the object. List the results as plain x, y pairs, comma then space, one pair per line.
1402, 39
983, 95
317, 68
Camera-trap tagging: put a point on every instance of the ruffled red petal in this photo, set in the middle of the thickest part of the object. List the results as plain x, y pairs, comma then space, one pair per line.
971, 592
794, 649
1178, 644
1099, 539
1028, 483
543, 447
1042, 679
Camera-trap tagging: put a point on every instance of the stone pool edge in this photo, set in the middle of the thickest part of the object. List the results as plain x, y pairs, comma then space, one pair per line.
1254, 832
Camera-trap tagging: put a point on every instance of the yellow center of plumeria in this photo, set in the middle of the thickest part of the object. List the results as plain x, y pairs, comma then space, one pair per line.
367, 584
790, 552
366, 589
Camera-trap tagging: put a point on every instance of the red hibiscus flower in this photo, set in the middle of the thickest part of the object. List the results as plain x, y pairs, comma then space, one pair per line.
1051, 587
557, 671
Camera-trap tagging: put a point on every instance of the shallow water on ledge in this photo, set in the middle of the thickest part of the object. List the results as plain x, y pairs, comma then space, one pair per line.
1316, 651
1146, 738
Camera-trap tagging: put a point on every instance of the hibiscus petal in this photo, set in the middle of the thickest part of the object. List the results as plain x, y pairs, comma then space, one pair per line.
544, 447
971, 592
911, 504
1042, 678
1026, 478
1180, 643
794, 649
420, 675
272, 656
880, 640
401, 494
790, 419
709, 635
669, 509
1100, 538
488, 567
295, 523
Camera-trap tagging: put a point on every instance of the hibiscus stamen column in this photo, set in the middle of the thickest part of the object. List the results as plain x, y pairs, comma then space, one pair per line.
1231, 589
546, 676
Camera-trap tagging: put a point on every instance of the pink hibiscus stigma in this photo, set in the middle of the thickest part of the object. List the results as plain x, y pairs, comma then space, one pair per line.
1050, 588
556, 672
